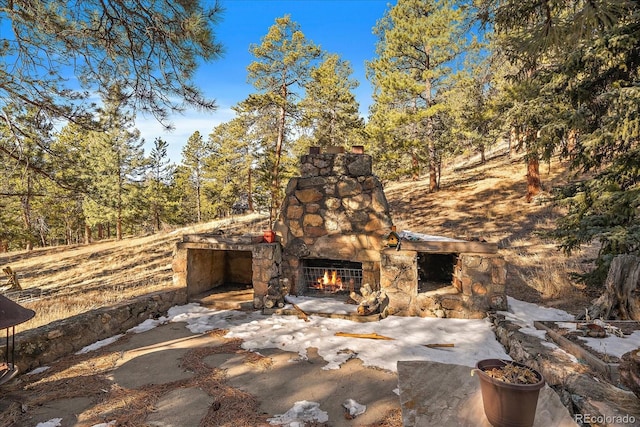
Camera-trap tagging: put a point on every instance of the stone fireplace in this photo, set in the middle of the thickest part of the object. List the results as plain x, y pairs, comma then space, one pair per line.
331, 241
334, 216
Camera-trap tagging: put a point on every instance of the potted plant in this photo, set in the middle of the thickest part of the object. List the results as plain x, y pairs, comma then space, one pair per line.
510, 392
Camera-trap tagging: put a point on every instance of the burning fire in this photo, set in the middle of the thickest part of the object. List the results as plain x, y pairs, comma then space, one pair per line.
330, 282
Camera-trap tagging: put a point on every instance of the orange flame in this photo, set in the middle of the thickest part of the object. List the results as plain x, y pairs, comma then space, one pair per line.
330, 282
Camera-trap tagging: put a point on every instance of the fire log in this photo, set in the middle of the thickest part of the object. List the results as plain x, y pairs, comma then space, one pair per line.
370, 302
301, 312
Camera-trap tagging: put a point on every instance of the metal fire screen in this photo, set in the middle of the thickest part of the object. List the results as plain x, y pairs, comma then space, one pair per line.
325, 276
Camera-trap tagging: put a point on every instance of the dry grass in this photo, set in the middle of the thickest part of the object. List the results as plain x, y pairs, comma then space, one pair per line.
488, 201
71, 280
475, 200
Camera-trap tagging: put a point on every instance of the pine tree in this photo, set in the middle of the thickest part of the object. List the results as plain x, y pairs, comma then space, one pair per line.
282, 66
158, 181
418, 41
581, 61
330, 109
151, 48
115, 159
24, 180
229, 168
194, 154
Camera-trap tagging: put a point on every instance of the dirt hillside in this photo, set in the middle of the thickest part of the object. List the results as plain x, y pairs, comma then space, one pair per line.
475, 201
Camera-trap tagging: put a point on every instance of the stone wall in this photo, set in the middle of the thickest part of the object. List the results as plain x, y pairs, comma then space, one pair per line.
267, 260
478, 286
335, 210
43, 345
202, 262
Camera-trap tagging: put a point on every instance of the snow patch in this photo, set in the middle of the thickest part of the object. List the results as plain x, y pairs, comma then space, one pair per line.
302, 412
99, 344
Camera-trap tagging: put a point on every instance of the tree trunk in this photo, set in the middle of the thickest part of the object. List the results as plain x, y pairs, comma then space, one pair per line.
619, 300
433, 171
534, 185
119, 229
572, 143
249, 192
629, 370
276, 164
198, 201
87, 234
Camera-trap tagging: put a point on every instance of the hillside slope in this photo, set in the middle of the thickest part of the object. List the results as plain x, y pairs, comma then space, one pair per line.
487, 201
475, 201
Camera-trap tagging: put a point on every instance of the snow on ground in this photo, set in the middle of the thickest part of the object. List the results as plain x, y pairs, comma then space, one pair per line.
613, 345
301, 413
54, 422
473, 340
524, 313
38, 370
413, 236
98, 344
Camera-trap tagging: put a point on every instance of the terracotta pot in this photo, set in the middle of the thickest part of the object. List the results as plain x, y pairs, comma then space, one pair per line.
506, 404
269, 236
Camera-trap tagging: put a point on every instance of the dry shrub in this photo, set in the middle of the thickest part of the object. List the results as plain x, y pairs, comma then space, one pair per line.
551, 277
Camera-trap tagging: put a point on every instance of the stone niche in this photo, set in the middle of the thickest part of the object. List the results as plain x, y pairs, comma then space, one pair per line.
335, 210
477, 285
204, 262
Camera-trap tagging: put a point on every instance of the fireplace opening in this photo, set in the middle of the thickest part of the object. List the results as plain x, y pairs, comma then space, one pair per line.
219, 272
435, 271
325, 277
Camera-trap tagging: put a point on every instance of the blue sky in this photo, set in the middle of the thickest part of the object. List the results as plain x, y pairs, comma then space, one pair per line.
338, 26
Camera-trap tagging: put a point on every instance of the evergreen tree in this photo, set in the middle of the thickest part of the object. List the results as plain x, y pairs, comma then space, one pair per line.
330, 108
158, 181
583, 59
115, 158
194, 154
282, 66
22, 180
418, 41
151, 48
229, 168
472, 102
260, 130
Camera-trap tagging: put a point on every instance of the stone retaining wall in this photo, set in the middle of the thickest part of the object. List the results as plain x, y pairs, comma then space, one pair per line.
43, 345
580, 389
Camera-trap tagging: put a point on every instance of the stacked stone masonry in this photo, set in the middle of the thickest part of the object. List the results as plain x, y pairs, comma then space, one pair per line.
335, 210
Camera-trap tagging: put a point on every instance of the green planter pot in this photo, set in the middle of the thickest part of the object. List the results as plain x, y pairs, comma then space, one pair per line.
506, 404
